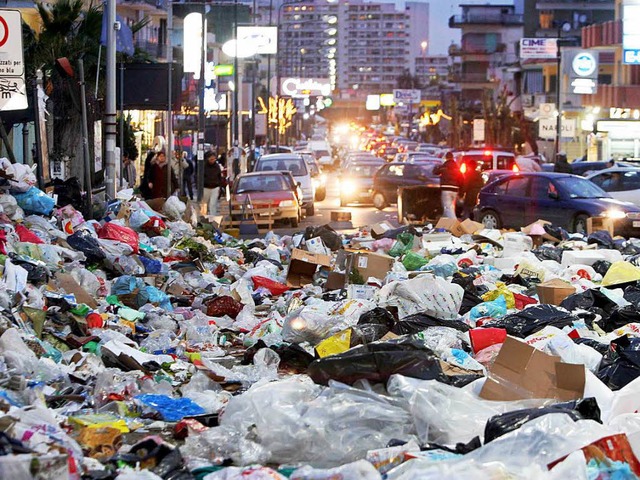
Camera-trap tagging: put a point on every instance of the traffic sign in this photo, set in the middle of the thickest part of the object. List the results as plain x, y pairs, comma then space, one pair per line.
13, 90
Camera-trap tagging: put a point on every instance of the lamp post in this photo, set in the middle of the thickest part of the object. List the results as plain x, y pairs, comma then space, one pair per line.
564, 27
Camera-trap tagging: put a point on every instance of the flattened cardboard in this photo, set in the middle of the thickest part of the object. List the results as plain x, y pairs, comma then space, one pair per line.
467, 227
371, 264
156, 204
335, 281
69, 285
554, 291
303, 265
381, 228
521, 372
448, 224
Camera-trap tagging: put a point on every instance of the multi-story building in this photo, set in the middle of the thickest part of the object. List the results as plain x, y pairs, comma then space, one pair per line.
377, 43
489, 37
432, 69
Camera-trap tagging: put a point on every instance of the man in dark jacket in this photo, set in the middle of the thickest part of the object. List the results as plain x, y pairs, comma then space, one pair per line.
473, 183
212, 183
450, 182
562, 165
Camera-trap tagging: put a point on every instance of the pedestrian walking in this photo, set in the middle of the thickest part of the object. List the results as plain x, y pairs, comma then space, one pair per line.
156, 177
473, 183
562, 164
187, 176
450, 182
213, 181
129, 171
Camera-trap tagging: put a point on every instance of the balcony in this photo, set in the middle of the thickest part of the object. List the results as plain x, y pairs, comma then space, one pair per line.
469, 78
574, 5
604, 34
627, 96
458, 21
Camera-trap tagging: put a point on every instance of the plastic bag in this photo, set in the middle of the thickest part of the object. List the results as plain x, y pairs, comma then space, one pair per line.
403, 244
174, 208
27, 235
533, 319
375, 324
495, 309
151, 265
377, 361
506, 422
428, 294
621, 272
360, 470
113, 231
86, 243
421, 321
328, 235
593, 300
35, 201
621, 363
171, 409
224, 305
275, 288
23, 177
414, 261
602, 238
482, 338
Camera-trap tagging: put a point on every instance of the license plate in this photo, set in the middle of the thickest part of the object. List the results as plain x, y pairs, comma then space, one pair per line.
636, 224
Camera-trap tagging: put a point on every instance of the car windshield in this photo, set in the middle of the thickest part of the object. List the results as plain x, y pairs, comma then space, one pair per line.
364, 169
261, 183
296, 166
421, 159
322, 153
580, 188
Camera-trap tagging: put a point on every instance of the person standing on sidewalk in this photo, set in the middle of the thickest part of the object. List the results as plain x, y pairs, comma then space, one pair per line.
212, 183
450, 183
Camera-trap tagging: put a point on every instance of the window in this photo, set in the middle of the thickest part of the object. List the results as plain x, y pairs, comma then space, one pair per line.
396, 170
518, 187
541, 188
505, 162
631, 181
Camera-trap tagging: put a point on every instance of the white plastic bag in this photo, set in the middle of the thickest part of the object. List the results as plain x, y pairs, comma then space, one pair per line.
174, 208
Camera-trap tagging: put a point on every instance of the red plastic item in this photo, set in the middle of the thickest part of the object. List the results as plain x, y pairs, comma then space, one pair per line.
482, 338
582, 273
522, 300
27, 235
224, 305
276, 288
155, 225
113, 231
94, 320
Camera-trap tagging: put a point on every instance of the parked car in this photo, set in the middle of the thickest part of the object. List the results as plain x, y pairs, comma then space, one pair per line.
415, 157
269, 193
518, 199
391, 176
356, 181
621, 183
318, 178
295, 164
580, 168
489, 159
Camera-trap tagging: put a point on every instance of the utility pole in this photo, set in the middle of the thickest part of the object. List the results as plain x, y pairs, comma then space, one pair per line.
110, 104
170, 101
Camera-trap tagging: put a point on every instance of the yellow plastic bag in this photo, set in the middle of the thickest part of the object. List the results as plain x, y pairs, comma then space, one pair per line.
335, 344
501, 290
621, 272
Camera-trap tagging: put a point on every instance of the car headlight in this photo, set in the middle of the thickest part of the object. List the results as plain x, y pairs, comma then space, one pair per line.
347, 186
323, 179
286, 203
614, 214
315, 182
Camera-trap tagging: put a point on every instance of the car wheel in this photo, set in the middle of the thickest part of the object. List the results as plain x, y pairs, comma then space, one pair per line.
311, 210
580, 223
321, 195
490, 219
379, 201
295, 222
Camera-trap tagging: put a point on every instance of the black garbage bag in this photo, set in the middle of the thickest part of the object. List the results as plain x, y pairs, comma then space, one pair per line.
498, 425
601, 267
592, 300
626, 248
632, 295
69, 191
471, 296
328, 235
532, 320
85, 243
460, 448
377, 361
600, 347
293, 358
602, 238
621, 364
620, 317
548, 253
375, 324
397, 231
556, 232
36, 274
421, 321
162, 459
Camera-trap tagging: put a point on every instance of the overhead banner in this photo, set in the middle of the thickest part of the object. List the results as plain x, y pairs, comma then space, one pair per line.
538, 48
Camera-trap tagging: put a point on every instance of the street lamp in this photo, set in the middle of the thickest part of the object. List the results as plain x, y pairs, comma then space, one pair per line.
565, 27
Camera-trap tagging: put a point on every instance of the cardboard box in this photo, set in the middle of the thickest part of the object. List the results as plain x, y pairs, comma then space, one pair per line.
69, 285
371, 264
546, 236
156, 204
554, 291
520, 372
467, 227
316, 245
595, 224
335, 281
448, 224
380, 228
303, 266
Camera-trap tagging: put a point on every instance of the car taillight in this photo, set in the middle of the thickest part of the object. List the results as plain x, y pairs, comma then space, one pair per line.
463, 168
515, 168
487, 153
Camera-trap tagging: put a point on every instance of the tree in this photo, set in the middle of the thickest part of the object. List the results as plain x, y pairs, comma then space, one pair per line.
130, 148
408, 81
499, 119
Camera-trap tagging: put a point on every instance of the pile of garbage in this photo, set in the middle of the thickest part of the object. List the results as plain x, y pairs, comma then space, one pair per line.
153, 345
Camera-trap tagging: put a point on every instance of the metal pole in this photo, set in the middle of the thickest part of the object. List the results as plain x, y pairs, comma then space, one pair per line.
121, 124
36, 84
558, 107
237, 117
278, 81
25, 143
268, 140
170, 101
201, 125
110, 104
85, 142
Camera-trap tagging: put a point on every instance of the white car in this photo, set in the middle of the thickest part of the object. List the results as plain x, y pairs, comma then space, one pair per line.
295, 164
620, 182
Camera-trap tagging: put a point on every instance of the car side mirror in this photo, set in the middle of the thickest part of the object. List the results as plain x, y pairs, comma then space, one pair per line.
554, 195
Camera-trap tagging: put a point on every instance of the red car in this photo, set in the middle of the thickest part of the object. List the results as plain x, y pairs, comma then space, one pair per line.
270, 195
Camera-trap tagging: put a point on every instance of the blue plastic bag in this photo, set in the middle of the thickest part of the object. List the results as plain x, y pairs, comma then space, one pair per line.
151, 294
126, 284
171, 409
35, 201
496, 309
151, 266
